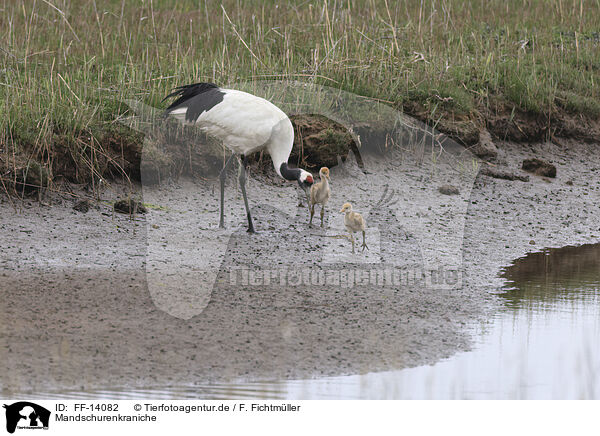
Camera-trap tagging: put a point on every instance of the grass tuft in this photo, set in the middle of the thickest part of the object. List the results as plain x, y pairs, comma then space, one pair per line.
65, 65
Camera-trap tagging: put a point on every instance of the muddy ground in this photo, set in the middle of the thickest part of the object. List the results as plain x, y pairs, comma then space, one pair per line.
100, 299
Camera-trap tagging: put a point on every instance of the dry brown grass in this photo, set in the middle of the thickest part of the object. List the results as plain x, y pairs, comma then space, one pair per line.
66, 65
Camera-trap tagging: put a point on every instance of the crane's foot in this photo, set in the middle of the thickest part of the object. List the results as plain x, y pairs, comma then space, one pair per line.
364, 245
250, 224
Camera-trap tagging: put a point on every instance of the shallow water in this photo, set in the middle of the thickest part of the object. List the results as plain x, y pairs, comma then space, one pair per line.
543, 344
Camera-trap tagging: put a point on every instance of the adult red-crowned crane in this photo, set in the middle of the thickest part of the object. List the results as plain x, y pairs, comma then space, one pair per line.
246, 124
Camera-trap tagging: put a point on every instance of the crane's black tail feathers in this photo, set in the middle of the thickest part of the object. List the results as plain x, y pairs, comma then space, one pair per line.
211, 96
186, 92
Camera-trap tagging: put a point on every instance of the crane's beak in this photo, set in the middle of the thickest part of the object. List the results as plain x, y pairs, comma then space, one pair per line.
306, 189
306, 184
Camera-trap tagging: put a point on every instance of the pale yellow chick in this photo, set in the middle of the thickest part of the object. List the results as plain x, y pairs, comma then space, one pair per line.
319, 194
354, 222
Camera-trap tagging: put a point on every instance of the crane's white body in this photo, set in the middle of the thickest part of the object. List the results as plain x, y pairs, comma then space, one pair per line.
247, 124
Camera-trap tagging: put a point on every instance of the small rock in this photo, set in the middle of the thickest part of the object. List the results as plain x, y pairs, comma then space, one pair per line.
448, 190
485, 148
506, 175
129, 207
539, 167
532, 242
82, 206
569, 182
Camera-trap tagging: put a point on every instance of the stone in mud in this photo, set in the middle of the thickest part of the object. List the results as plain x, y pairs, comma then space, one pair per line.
82, 206
319, 141
129, 207
448, 190
485, 148
539, 167
505, 175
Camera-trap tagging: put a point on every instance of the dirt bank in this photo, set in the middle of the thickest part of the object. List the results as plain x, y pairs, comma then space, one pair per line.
98, 300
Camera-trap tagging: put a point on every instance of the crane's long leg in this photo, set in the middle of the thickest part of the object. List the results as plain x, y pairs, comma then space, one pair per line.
222, 177
242, 180
312, 213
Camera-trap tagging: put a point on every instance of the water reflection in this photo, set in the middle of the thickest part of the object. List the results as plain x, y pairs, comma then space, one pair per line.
543, 345
552, 275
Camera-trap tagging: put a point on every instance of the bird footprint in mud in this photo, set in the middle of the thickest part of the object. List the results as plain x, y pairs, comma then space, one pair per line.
396, 246
385, 202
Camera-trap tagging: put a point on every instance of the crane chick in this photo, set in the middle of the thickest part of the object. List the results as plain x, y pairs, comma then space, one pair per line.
354, 222
319, 194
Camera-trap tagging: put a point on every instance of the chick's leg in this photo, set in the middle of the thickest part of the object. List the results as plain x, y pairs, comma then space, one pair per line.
364, 244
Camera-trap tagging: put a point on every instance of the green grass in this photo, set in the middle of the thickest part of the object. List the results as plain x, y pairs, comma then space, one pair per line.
66, 65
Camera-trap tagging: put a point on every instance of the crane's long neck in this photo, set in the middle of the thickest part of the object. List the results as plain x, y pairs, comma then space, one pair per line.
287, 173
280, 148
